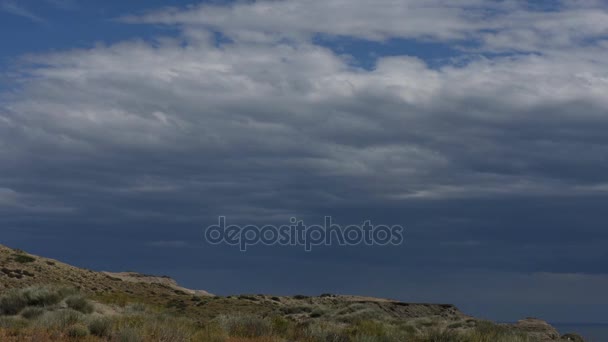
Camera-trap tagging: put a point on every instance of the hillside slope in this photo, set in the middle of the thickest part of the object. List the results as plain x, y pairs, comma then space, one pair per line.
19, 270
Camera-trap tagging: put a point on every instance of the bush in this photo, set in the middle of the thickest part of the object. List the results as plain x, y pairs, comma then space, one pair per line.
169, 328
280, 326
77, 330
12, 303
79, 303
136, 308
12, 322
59, 319
23, 258
129, 335
44, 296
325, 332
16, 300
370, 328
100, 326
436, 335
317, 313
245, 326
32, 312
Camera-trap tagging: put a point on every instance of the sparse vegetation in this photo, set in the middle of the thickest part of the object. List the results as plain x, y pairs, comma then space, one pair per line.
79, 303
60, 312
99, 307
23, 258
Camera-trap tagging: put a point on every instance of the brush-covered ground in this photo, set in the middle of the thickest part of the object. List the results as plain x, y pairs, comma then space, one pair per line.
46, 300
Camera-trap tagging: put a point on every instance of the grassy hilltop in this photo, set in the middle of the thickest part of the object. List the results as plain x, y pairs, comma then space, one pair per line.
45, 300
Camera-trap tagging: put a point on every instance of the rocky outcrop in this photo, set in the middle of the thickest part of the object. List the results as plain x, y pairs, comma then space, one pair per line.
538, 329
152, 279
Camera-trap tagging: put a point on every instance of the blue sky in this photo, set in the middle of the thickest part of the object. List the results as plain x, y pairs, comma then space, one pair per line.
128, 127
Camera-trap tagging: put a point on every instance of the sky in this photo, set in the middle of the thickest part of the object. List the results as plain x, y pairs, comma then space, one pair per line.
126, 128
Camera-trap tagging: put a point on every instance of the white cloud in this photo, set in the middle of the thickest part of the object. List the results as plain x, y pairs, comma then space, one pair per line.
15, 9
496, 25
273, 125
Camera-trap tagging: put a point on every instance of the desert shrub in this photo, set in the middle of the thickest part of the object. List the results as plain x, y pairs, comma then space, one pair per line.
129, 334
245, 325
12, 303
43, 296
369, 328
136, 308
32, 312
438, 335
325, 332
456, 325
100, 326
405, 329
166, 327
280, 325
209, 332
317, 313
248, 297
362, 314
300, 297
79, 303
490, 332
59, 319
23, 258
486, 331
176, 304
289, 310
12, 322
77, 330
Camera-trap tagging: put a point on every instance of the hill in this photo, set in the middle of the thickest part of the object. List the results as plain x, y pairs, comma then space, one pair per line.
128, 297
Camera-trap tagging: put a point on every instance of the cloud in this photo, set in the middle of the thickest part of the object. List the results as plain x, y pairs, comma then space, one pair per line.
270, 118
15, 9
493, 25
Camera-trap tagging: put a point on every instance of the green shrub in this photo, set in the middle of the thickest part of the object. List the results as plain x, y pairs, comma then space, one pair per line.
280, 326
436, 335
317, 313
369, 328
77, 330
169, 328
32, 312
79, 303
129, 334
12, 303
245, 326
12, 322
60, 319
100, 326
23, 258
136, 308
288, 310
44, 296
325, 332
